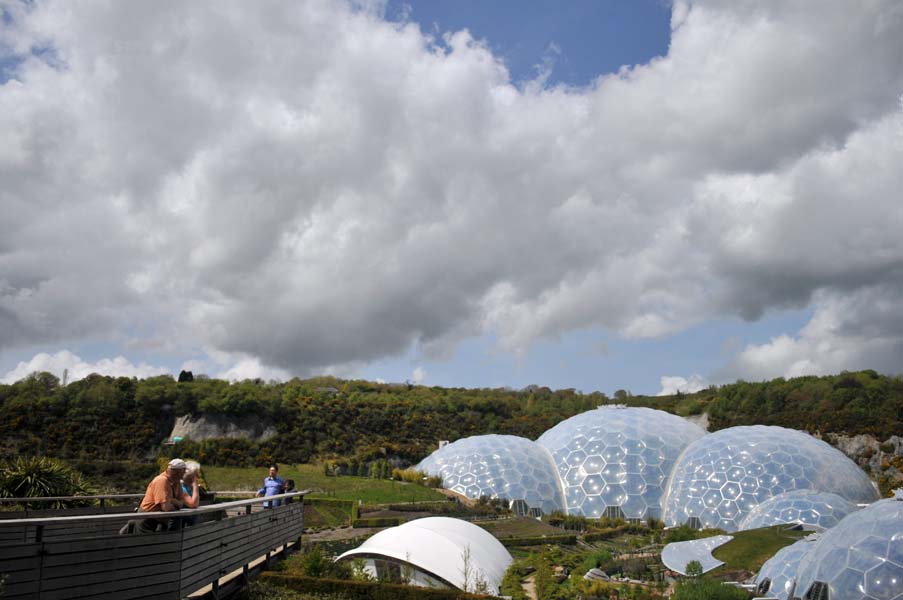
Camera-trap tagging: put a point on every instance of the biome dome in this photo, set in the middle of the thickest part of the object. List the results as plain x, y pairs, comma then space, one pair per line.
775, 578
861, 558
809, 507
615, 460
721, 477
498, 466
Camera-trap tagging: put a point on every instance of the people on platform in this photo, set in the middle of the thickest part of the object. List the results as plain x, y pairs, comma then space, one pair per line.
191, 488
289, 487
163, 494
272, 486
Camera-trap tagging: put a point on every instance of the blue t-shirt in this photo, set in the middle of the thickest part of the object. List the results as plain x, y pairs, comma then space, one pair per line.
271, 487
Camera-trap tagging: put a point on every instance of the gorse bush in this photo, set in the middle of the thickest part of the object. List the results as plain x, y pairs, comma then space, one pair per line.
39, 476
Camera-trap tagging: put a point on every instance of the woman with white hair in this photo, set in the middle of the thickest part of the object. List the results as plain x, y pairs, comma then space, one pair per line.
191, 492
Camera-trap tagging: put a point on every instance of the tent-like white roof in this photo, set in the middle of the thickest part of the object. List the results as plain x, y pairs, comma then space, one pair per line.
437, 546
676, 555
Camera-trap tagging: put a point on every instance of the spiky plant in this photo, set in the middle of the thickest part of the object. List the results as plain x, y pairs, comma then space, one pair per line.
39, 476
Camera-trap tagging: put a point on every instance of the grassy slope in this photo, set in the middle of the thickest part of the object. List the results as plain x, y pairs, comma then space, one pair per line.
750, 549
519, 527
370, 491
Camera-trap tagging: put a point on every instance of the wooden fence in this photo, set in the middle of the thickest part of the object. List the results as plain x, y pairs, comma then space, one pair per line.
85, 557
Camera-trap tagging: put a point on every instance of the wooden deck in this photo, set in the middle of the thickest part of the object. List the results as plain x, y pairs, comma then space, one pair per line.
84, 556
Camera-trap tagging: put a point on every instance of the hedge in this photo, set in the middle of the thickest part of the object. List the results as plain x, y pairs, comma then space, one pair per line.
539, 540
604, 534
363, 590
377, 522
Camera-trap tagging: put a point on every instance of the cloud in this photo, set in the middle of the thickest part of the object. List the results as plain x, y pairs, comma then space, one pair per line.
674, 384
77, 368
859, 330
197, 175
419, 375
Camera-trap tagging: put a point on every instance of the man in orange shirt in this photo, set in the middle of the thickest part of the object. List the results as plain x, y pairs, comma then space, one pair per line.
164, 493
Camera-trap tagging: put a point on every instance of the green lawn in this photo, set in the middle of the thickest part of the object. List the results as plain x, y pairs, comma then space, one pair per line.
320, 516
750, 549
369, 491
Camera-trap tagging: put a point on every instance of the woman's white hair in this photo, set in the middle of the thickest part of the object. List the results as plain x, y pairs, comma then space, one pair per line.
192, 467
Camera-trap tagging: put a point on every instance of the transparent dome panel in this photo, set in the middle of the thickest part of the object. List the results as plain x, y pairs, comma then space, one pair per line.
780, 570
822, 510
760, 462
498, 466
861, 558
614, 461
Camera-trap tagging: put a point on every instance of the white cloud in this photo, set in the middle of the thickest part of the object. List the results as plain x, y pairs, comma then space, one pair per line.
674, 384
252, 368
197, 175
64, 360
858, 330
419, 375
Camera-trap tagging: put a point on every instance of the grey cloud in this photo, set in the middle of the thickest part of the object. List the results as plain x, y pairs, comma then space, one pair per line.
310, 186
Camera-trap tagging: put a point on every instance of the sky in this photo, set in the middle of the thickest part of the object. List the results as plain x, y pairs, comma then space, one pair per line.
599, 195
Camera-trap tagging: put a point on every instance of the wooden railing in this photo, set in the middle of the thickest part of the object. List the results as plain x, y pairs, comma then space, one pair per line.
83, 556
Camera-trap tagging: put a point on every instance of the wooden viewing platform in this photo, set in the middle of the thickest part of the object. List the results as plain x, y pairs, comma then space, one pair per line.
83, 555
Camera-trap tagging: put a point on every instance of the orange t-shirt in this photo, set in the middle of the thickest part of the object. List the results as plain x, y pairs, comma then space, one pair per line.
159, 492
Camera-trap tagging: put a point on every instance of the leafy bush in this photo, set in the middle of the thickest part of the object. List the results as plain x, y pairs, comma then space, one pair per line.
377, 522
39, 476
315, 563
701, 588
363, 590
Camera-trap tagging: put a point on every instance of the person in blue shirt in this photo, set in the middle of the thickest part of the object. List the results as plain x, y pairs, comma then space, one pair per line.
272, 485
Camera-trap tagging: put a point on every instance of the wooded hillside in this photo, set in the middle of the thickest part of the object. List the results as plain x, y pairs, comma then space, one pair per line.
122, 418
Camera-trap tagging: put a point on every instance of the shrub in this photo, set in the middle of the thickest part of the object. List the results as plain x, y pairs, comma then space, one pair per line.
363, 590
39, 476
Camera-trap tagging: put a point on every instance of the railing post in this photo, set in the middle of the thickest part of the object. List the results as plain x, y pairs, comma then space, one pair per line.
38, 536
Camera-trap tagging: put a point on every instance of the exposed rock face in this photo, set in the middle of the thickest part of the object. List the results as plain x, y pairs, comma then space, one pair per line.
207, 426
882, 460
866, 450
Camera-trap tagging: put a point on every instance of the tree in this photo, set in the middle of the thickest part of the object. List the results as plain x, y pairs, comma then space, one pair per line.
185, 376
694, 568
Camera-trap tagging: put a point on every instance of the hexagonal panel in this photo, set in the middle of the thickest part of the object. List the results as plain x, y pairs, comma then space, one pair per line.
716, 461
631, 449
856, 557
781, 569
498, 466
820, 509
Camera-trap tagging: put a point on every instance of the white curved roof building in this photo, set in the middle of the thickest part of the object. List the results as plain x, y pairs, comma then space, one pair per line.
859, 559
498, 466
821, 510
721, 477
677, 555
614, 461
437, 552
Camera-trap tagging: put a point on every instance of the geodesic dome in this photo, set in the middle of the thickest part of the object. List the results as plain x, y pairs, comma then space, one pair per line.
498, 466
809, 507
861, 558
775, 578
614, 461
721, 477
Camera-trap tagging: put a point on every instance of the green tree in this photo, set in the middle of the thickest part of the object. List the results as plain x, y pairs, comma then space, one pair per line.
694, 568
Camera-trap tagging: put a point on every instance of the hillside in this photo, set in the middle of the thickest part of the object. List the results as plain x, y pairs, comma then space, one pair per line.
307, 420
